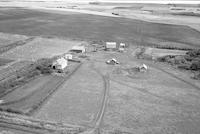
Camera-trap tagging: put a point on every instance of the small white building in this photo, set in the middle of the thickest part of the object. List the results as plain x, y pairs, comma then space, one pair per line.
68, 56
111, 45
143, 68
60, 63
121, 49
79, 49
123, 45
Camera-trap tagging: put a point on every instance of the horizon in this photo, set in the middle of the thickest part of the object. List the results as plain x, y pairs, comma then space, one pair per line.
115, 1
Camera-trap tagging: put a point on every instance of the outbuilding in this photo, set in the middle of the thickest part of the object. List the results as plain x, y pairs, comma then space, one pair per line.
78, 49
60, 63
111, 45
122, 45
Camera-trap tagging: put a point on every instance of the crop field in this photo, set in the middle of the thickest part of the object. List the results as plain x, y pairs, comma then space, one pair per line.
34, 93
8, 71
40, 48
6, 39
79, 99
4, 61
93, 27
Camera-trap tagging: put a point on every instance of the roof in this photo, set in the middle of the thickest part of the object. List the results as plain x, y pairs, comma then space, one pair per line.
62, 62
111, 44
78, 47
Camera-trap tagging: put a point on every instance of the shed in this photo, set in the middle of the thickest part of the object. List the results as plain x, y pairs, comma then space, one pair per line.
123, 45
78, 49
111, 45
60, 63
143, 68
121, 49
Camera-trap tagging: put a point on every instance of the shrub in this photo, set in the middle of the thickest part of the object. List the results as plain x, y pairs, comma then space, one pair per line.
184, 66
194, 53
195, 66
197, 76
9, 110
44, 66
180, 60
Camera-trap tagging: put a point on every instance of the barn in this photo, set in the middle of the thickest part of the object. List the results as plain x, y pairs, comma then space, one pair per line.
111, 45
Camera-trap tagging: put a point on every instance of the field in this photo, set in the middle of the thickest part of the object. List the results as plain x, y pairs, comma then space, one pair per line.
90, 94
34, 93
92, 27
6, 39
40, 48
4, 61
79, 99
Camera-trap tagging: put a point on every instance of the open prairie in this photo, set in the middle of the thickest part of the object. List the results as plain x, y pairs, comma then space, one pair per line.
93, 27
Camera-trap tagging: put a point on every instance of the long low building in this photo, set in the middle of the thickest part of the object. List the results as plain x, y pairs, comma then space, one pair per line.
78, 49
111, 45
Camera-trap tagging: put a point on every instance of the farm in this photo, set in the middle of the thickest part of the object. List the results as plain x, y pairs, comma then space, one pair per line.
91, 95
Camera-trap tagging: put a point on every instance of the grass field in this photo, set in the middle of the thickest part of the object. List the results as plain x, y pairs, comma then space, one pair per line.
4, 61
83, 26
40, 48
79, 99
6, 39
27, 98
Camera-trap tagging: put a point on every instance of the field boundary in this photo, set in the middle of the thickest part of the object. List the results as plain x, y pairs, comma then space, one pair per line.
35, 125
8, 47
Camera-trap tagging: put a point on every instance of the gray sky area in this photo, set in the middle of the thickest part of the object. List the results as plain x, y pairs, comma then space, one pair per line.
122, 1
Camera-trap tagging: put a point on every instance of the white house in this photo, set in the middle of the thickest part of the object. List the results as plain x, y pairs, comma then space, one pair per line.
122, 45
111, 45
68, 56
79, 49
60, 63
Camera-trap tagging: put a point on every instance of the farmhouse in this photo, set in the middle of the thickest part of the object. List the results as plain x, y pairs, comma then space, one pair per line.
111, 45
78, 49
123, 45
60, 63
68, 56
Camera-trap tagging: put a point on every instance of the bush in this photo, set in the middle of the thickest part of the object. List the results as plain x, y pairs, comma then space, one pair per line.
9, 110
197, 76
23, 76
195, 66
194, 53
44, 66
184, 66
180, 60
